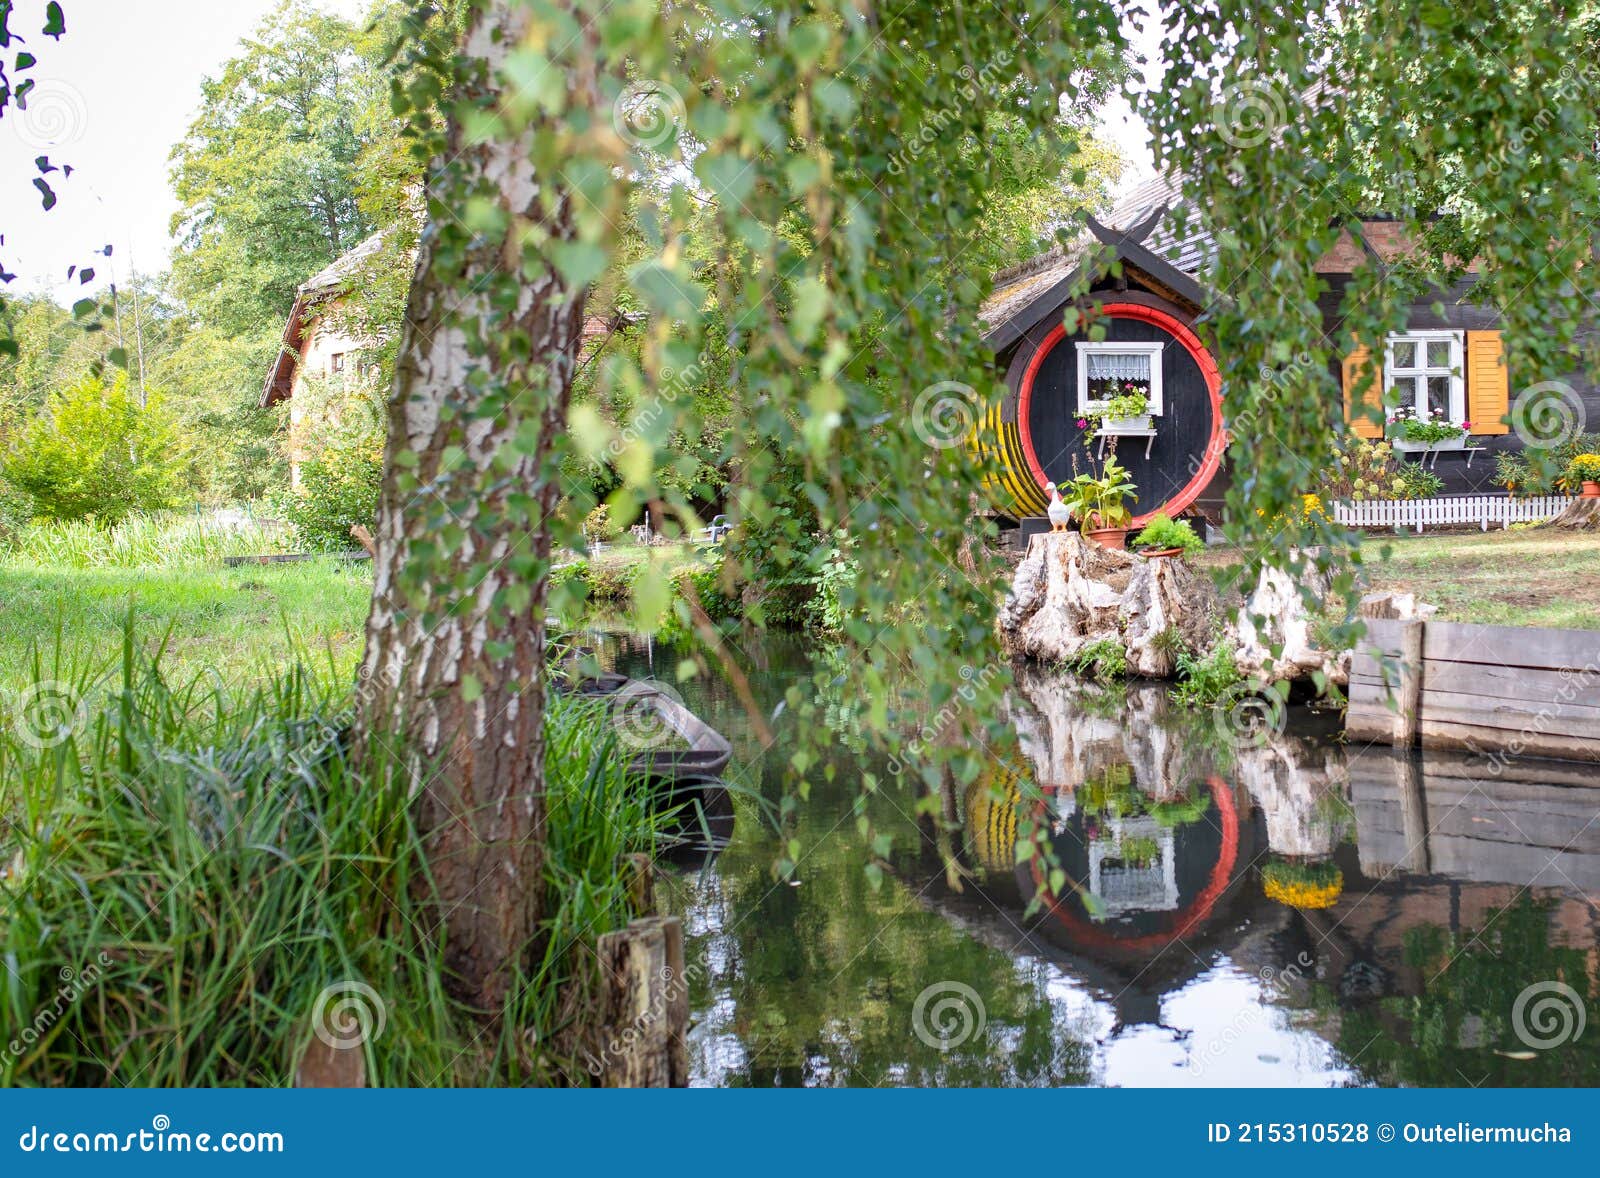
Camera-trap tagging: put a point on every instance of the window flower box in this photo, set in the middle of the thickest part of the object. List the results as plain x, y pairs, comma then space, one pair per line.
1406, 446
1124, 425
1411, 434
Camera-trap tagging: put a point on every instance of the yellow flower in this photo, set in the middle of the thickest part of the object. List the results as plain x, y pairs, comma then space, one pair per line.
1304, 895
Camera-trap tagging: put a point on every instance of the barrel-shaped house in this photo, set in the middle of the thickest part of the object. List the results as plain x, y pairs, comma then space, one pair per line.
1133, 284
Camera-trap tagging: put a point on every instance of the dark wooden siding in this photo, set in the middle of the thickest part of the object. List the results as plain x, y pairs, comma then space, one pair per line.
1182, 430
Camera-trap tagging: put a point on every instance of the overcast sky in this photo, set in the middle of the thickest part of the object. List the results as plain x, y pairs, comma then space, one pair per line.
112, 98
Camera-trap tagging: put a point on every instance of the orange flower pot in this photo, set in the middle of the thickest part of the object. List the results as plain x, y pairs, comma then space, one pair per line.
1109, 537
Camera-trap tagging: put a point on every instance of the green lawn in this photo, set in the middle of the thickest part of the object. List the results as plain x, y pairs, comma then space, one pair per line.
1522, 577
243, 622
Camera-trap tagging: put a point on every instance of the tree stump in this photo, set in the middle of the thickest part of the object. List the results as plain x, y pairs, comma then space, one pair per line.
1580, 515
1069, 594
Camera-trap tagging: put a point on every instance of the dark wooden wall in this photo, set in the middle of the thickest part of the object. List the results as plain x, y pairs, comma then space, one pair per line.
1183, 429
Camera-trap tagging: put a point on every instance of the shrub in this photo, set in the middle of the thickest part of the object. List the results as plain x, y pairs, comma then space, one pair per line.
1202, 681
1362, 470
96, 453
706, 581
1162, 532
338, 489
1541, 471
1420, 483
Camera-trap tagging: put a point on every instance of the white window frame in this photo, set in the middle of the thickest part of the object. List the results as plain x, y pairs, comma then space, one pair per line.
1152, 349
1457, 409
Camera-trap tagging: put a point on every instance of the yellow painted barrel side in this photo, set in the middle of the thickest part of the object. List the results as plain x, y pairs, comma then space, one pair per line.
1008, 482
992, 818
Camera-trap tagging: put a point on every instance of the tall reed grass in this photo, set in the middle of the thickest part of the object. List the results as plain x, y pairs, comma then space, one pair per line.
191, 872
141, 541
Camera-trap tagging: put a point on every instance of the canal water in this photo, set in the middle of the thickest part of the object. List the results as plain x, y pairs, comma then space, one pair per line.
1277, 911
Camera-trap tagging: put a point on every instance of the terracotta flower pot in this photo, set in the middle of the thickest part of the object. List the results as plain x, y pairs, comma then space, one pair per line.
1591, 489
1153, 553
1109, 537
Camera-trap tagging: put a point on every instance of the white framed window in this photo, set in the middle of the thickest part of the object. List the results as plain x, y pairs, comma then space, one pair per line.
1109, 367
1422, 372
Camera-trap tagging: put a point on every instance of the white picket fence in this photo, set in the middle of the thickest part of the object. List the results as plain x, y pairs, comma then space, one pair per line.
1482, 510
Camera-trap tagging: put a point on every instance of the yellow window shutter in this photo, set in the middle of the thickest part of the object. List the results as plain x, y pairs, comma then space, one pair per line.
1363, 393
1488, 386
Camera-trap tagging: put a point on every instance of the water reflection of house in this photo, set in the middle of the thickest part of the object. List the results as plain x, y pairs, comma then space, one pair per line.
1437, 843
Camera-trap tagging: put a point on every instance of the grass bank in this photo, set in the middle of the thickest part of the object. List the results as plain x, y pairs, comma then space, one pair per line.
244, 623
1521, 577
197, 883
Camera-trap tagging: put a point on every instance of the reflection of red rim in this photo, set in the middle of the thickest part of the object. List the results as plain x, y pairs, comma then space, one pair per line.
1215, 444
1185, 919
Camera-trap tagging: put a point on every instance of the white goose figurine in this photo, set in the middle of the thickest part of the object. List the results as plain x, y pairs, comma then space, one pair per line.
1060, 514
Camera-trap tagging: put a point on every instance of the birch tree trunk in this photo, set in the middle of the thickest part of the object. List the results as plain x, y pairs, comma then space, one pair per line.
453, 678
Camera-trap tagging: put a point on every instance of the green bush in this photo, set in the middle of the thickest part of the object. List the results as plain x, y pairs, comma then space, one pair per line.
1536, 471
720, 604
1419, 482
95, 453
338, 490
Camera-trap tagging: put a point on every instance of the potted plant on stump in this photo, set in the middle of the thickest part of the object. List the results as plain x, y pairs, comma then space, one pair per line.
1583, 476
1167, 537
1099, 504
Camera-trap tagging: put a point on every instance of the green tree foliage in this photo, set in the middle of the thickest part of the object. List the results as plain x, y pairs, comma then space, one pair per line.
268, 175
95, 452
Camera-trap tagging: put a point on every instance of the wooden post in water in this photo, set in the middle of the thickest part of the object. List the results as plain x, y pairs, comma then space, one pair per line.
645, 1007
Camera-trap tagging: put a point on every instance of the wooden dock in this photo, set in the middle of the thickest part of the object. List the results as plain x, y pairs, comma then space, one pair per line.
1517, 690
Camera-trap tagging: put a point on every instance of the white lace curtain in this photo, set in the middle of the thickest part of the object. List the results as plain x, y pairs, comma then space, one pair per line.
1119, 366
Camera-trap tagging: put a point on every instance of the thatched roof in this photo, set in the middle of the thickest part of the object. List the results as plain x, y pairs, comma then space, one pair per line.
1147, 227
